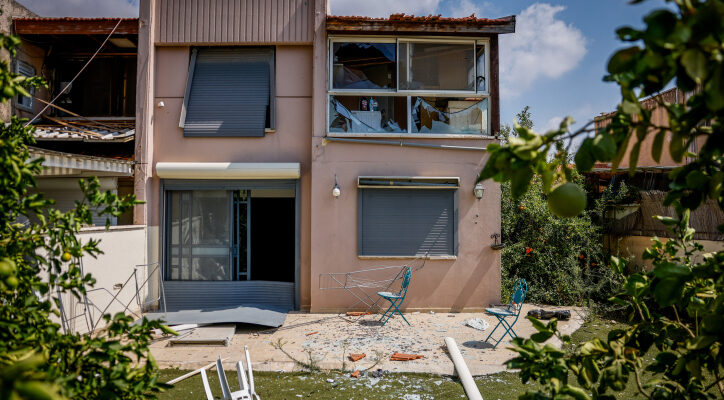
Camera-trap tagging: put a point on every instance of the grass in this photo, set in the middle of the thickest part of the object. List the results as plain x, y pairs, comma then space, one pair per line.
273, 385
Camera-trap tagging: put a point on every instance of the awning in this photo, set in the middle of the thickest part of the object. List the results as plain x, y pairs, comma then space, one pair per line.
216, 170
66, 164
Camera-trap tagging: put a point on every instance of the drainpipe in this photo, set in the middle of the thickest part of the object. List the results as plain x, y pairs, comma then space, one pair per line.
401, 143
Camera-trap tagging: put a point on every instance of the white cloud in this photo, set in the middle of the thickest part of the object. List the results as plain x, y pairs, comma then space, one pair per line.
553, 123
541, 47
82, 8
464, 8
383, 8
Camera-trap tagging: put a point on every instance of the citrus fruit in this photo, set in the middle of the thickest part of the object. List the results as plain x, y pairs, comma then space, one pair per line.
6, 268
12, 282
65, 257
567, 200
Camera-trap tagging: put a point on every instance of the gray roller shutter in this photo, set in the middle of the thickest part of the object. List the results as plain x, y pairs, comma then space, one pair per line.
407, 222
229, 93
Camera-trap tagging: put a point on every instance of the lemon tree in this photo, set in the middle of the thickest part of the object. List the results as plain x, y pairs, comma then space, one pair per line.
677, 307
37, 359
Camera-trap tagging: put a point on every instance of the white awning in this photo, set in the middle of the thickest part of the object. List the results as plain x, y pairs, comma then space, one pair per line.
217, 170
66, 164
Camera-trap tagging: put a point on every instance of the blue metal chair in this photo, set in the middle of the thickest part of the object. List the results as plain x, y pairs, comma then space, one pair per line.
510, 310
396, 298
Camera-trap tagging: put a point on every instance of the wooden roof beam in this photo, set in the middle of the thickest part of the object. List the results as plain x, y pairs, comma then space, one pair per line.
75, 26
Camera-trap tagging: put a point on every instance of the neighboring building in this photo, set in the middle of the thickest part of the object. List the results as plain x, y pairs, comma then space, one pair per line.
251, 113
630, 219
10, 9
89, 130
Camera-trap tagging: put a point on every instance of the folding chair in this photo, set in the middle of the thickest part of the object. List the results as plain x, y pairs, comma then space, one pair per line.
510, 310
242, 394
396, 299
207, 388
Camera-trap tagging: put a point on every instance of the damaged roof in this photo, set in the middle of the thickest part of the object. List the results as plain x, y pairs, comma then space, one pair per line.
86, 131
407, 23
74, 26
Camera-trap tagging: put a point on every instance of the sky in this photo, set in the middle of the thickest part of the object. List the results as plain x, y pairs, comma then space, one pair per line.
554, 62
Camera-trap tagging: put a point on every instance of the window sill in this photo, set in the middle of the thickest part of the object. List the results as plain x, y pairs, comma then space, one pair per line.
406, 257
412, 136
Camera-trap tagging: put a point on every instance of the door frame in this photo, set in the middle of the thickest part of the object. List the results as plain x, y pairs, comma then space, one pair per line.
236, 184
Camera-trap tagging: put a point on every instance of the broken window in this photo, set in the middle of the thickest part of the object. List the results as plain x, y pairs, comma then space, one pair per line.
229, 92
392, 86
364, 65
437, 66
367, 114
450, 115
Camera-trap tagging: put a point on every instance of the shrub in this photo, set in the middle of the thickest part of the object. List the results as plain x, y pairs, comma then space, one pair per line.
561, 258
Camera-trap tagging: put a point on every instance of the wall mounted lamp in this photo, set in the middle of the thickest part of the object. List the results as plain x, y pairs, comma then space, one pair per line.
478, 191
336, 192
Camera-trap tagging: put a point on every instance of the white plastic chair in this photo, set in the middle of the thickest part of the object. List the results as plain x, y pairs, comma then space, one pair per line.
207, 388
246, 391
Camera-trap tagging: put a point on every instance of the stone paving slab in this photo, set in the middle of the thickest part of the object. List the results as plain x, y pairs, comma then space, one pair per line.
328, 339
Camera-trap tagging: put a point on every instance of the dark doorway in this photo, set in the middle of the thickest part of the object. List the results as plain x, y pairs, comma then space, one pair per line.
272, 238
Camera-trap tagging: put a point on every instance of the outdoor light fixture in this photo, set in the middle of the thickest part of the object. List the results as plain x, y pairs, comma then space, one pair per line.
336, 192
478, 191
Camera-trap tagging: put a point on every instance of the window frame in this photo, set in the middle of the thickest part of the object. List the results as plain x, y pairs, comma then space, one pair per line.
407, 93
31, 90
193, 52
451, 185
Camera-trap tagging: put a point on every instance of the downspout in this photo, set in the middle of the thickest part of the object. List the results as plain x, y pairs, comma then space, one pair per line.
401, 143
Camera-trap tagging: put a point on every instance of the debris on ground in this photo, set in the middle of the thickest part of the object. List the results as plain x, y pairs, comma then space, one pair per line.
477, 323
312, 333
330, 380
356, 357
358, 313
379, 373
355, 374
562, 315
405, 357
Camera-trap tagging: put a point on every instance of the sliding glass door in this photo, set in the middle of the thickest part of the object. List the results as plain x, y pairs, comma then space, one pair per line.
199, 232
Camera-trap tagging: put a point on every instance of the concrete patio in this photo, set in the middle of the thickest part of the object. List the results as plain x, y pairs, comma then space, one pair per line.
328, 340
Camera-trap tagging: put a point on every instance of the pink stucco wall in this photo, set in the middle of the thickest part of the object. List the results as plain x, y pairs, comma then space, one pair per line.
290, 143
329, 226
470, 282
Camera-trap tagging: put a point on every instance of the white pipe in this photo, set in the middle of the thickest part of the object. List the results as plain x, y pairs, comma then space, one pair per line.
471, 389
192, 373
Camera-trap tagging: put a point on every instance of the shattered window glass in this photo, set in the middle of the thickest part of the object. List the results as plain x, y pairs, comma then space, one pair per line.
367, 114
450, 115
364, 65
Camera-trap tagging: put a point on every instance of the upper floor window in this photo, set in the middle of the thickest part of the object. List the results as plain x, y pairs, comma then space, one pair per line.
408, 86
229, 92
26, 70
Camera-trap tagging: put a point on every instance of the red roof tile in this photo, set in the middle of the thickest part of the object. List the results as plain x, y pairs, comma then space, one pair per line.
472, 19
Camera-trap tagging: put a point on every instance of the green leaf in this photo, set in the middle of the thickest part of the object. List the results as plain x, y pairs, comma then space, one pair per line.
670, 270
657, 145
584, 158
700, 342
668, 291
622, 59
633, 157
541, 337
520, 180
694, 62
604, 147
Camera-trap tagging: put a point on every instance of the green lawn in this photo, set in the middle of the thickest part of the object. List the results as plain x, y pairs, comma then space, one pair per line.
272, 385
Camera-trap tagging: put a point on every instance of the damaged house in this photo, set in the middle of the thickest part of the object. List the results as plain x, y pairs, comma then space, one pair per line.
277, 143
89, 128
